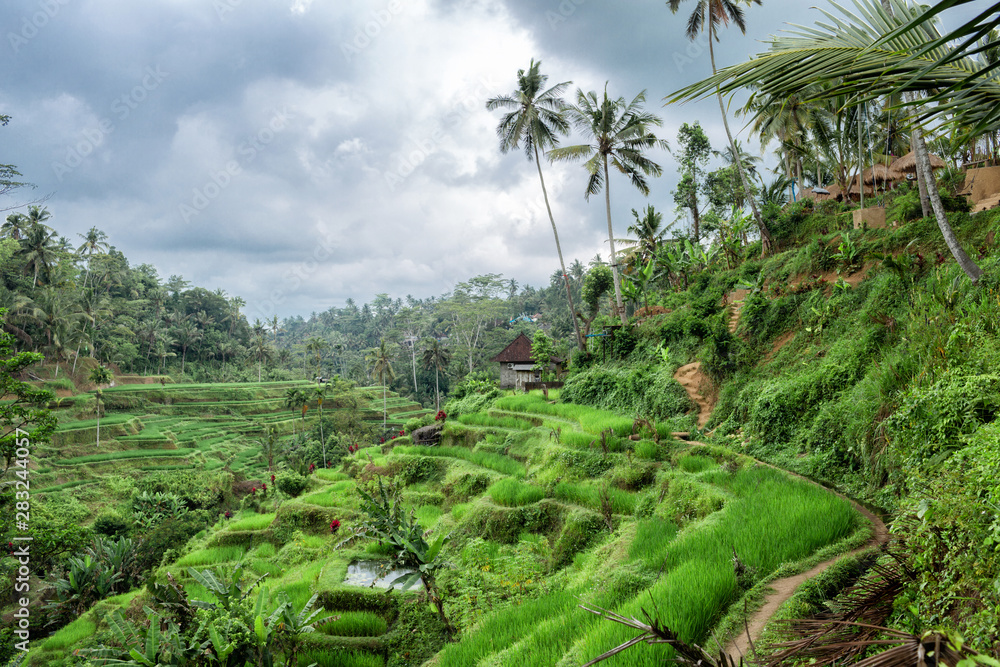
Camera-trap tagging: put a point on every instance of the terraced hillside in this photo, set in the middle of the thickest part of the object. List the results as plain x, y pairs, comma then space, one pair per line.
546, 504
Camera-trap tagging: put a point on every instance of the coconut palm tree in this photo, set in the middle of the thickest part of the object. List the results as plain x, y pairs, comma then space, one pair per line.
536, 120
437, 357
316, 347
99, 375
187, 334
16, 226
39, 248
871, 53
620, 133
94, 242
260, 351
708, 15
380, 359
320, 393
648, 232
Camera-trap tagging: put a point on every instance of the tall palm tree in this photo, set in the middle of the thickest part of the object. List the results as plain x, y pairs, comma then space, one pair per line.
99, 375
260, 351
872, 53
381, 366
535, 120
709, 15
437, 357
39, 248
620, 133
94, 242
648, 232
320, 393
187, 334
317, 346
16, 226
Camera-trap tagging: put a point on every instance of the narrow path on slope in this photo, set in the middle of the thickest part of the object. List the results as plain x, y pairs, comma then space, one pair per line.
780, 590
701, 391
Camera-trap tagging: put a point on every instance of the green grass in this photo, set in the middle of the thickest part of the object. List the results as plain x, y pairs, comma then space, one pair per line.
590, 419
514, 493
211, 556
252, 522
76, 631
497, 462
330, 475
652, 537
589, 495
480, 419
356, 624
696, 463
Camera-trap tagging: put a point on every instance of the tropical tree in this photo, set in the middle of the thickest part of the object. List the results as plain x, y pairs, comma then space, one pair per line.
319, 393
381, 366
317, 347
94, 242
620, 133
648, 232
260, 351
99, 376
16, 226
438, 357
39, 249
692, 157
872, 53
536, 120
187, 334
709, 15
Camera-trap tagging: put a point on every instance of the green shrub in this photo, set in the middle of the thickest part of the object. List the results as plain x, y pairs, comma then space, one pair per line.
291, 483
514, 493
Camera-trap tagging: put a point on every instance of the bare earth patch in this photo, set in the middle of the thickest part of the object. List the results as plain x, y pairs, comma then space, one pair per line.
700, 388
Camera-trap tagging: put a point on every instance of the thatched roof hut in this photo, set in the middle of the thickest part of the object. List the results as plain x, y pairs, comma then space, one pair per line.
854, 190
908, 163
879, 173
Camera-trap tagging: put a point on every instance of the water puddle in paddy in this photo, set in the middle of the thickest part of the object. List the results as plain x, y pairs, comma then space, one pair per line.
368, 572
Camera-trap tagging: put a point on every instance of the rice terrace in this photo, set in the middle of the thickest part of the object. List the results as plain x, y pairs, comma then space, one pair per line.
759, 427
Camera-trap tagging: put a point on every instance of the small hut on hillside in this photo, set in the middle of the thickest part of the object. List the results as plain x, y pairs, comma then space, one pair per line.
516, 365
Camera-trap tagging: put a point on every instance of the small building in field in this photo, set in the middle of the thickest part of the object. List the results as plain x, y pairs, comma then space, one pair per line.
516, 365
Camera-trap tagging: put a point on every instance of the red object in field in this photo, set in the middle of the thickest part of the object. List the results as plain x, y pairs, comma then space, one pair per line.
272, 479
334, 526
402, 433
440, 416
312, 467
253, 490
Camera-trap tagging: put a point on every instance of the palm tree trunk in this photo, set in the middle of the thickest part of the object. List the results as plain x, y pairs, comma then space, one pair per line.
384, 403
437, 390
413, 351
562, 264
611, 240
765, 235
924, 167
925, 205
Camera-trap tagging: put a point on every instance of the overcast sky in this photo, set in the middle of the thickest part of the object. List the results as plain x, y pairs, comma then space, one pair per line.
301, 152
